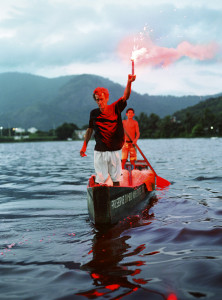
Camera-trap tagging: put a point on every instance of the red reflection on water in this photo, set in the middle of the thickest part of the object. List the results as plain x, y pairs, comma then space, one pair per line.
112, 287
95, 276
109, 275
153, 253
172, 297
140, 280
139, 249
98, 294
126, 294
137, 271
73, 234
140, 263
93, 294
114, 278
147, 223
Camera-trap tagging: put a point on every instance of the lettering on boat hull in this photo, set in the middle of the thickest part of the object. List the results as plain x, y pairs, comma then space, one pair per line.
120, 201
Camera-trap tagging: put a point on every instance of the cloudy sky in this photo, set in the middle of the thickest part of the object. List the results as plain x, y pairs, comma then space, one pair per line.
178, 43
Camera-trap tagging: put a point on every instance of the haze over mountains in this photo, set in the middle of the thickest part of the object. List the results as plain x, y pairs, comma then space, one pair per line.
45, 103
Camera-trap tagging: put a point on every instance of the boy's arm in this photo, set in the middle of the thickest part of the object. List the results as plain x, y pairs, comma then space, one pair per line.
137, 132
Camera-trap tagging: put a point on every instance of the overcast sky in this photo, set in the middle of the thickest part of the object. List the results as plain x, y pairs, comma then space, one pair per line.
180, 41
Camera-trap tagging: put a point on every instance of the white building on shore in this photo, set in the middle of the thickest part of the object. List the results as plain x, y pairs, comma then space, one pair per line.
80, 133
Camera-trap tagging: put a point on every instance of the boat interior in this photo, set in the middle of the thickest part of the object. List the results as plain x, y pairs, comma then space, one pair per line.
131, 177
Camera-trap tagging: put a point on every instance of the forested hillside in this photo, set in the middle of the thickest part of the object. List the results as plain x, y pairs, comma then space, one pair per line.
33, 101
201, 120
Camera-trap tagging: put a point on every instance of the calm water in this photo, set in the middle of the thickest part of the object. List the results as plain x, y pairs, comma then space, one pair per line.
49, 249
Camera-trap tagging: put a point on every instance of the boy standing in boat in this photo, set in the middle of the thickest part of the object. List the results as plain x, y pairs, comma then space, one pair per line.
107, 124
132, 133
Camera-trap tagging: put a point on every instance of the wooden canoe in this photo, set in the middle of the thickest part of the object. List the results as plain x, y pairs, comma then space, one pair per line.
107, 205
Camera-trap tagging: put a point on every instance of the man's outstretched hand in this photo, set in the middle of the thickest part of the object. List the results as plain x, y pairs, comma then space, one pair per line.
83, 150
82, 154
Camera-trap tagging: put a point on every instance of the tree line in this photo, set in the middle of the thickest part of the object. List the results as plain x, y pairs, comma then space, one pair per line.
206, 124
63, 132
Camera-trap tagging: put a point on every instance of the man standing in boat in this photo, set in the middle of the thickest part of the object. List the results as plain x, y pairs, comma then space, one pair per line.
107, 124
132, 133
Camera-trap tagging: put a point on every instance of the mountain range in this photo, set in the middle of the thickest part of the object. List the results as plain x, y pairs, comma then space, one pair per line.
28, 100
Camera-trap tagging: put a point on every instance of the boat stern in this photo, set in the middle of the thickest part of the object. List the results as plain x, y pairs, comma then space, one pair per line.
98, 199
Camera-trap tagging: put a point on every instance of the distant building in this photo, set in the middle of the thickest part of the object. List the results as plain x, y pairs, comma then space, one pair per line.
17, 137
19, 130
32, 130
173, 119
80, 133
19, 133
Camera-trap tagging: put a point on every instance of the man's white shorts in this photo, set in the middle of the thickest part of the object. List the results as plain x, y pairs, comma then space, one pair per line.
107, 163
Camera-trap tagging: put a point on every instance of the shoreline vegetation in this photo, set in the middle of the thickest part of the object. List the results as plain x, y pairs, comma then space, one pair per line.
190, 125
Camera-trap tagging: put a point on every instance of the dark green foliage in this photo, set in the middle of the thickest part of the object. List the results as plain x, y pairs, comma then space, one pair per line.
201, 120
66, 131
148, 125
197, 131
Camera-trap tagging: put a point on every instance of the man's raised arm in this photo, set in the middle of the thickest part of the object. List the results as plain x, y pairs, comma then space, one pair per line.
127, 91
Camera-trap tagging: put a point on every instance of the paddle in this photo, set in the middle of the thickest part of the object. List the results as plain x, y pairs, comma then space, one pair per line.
160, 182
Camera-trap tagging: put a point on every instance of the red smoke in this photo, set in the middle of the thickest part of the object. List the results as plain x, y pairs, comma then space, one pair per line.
145, 52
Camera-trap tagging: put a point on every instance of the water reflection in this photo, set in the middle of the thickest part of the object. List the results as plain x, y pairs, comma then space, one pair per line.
105, 268
111, 268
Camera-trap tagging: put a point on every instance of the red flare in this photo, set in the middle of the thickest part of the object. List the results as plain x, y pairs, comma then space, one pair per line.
132, 66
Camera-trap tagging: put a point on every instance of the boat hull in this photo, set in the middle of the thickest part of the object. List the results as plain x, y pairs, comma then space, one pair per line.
108, 205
